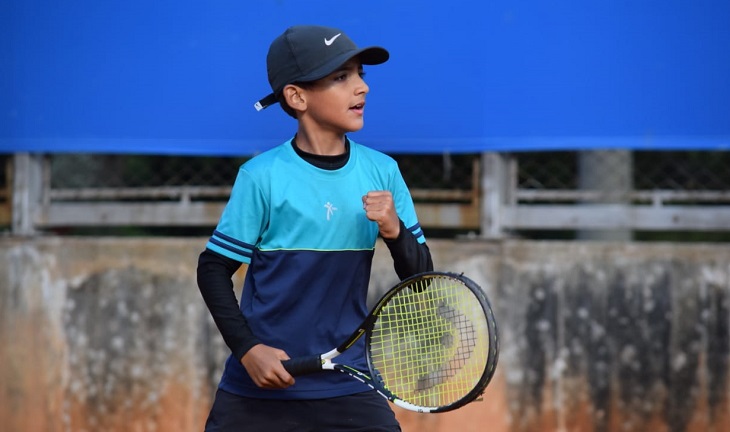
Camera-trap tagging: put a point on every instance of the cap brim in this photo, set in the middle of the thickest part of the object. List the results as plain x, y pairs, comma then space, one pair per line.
372, 55
368, 56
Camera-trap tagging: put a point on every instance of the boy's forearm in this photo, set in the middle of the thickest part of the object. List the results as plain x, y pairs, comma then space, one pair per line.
409, 256
216, 286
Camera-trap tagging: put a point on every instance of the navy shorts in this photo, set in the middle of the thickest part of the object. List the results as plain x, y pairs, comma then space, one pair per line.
361, 412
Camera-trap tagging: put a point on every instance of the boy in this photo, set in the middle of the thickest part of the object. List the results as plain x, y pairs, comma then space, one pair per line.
305, 216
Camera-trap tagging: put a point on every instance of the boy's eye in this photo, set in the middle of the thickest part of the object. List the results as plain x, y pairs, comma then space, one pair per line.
343, 76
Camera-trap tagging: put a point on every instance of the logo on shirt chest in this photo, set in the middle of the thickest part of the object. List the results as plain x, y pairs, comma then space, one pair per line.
331, 209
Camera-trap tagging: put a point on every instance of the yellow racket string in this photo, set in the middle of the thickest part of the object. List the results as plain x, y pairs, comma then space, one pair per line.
430, 343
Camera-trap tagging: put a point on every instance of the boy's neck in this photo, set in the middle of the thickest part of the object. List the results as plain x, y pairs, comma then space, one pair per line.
321, 144
323, 161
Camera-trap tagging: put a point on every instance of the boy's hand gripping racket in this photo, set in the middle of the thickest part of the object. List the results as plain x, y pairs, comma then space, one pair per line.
431, 344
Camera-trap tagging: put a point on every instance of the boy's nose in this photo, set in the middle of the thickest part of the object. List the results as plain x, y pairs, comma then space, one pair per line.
362, 86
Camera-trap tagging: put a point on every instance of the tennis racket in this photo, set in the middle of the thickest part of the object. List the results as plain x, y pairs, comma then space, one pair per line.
431, 344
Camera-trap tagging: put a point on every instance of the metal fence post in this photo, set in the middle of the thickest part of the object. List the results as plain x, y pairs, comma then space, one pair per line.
609, 173
27, 192
495, 184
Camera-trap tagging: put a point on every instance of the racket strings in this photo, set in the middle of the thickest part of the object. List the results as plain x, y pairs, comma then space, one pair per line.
467, 336
428, 345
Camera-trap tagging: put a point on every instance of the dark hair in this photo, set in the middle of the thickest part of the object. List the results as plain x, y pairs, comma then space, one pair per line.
282, 100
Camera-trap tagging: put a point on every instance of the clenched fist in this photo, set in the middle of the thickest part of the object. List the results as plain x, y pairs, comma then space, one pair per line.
379, 207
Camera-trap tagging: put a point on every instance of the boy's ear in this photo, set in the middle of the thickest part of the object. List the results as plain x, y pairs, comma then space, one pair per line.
294, 97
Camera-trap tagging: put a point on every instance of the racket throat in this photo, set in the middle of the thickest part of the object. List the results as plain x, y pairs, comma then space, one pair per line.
327, 359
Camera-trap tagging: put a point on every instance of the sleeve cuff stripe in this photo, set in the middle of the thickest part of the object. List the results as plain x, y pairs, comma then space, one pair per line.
231, 240
243, 252
416, 230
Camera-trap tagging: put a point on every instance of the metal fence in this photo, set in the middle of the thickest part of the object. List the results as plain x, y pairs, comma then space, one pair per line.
652, 170
622, 194
489, 195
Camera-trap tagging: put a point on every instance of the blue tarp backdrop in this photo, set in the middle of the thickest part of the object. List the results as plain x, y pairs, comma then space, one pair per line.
181, 77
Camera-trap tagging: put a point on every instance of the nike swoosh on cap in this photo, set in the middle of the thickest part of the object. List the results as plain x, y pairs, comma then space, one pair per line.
329, 42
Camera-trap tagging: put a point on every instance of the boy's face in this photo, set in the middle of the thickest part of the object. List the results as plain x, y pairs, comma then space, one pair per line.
337, 101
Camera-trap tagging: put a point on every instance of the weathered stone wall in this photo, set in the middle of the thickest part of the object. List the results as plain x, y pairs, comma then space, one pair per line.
112, 335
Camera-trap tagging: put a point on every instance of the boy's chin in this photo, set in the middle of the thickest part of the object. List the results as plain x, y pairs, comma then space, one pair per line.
355, 128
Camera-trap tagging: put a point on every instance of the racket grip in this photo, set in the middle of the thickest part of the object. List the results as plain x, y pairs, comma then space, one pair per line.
303, 365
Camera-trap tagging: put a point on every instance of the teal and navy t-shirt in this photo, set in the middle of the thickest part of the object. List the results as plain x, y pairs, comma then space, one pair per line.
309, 246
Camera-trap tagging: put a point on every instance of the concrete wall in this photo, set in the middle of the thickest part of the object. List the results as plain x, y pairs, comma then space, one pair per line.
112, 335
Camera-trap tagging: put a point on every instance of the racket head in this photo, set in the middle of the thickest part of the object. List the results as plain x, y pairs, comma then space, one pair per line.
433, 344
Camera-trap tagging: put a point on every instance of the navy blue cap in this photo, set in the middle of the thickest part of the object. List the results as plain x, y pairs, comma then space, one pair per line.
307, 53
